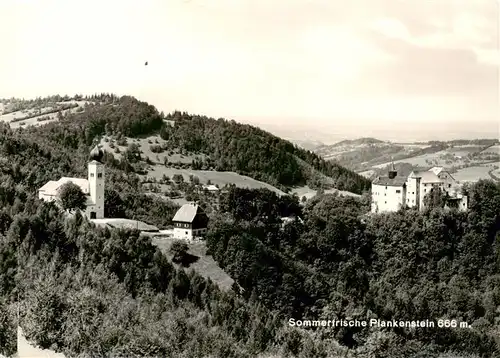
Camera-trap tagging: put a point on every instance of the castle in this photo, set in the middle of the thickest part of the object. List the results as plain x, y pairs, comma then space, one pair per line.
93, 187
392, 192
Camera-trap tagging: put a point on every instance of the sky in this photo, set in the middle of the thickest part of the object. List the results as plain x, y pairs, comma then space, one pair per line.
308, 69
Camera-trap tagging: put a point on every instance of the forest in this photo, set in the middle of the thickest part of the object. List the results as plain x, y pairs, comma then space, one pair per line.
93, 292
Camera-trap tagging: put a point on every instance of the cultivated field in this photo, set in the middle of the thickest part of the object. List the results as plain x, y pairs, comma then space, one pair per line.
472, 174
475, 173
494, 149
334, 151
43, 113
452, 156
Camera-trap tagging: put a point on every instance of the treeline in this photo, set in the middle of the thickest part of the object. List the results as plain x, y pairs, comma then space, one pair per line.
17, 104
339, 263
58, 109
480, 142
21, 104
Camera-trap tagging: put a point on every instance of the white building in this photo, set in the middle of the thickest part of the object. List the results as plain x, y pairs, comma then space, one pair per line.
392, 192
211, 188
388, 193
93, 187
190, 221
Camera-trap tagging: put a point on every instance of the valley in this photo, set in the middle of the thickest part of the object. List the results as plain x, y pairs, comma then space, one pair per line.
467, 160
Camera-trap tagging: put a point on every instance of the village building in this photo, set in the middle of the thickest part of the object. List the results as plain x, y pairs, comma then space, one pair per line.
92, 187
190, 222
211, 188
392, 192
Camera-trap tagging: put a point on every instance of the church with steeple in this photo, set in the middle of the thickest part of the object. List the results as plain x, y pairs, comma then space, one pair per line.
92, 187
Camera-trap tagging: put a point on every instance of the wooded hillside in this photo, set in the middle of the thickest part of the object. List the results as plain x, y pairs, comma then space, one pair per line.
230, 146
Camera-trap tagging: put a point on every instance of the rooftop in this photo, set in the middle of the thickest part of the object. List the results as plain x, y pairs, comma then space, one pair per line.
96, 154
436, 170
187, 213
211, 187
396, 181
52, 187
426, 176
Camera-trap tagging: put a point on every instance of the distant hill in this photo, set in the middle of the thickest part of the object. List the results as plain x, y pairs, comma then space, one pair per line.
359, 141
308, 144
370, 156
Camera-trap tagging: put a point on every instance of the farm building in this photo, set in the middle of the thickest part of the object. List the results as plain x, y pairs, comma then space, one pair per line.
211, 188
190, 221
391, 192
93, 187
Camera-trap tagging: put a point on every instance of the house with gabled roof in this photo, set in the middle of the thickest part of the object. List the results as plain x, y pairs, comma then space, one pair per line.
190, 222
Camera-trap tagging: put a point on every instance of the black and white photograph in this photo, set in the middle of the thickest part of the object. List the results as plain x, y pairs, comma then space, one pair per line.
249, 179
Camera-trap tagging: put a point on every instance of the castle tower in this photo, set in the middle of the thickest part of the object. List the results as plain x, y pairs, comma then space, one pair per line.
96, 183
392, 171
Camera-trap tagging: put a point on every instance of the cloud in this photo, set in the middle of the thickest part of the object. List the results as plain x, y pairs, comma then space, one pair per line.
425, 70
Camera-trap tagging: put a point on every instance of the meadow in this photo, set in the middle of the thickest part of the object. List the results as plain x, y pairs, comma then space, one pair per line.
205, 265
455, 156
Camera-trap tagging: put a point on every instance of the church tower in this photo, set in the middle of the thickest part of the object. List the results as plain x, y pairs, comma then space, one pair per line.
96, 183
392, 171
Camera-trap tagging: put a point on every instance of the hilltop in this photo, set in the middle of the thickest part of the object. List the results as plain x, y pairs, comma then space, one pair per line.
359, 141
217, 151
469, 160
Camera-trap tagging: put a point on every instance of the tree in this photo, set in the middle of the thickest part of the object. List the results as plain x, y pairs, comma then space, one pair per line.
178, 178
72, 197
133, 153
179, 251
436, 198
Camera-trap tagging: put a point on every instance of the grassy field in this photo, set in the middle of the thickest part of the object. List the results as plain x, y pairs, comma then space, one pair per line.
205, 265
367, 173
145, 144
34, 120
457, 156
220, 178
215, 177
334, 151
125, 224
494, 149
475, 173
